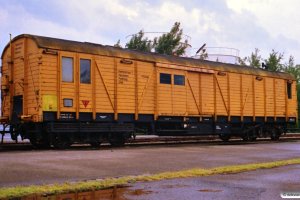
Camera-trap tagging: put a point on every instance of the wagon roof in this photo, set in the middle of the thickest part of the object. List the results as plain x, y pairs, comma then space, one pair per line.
98, 49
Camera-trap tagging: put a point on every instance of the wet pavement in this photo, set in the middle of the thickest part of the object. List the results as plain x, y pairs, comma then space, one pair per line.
52, 166
259, 184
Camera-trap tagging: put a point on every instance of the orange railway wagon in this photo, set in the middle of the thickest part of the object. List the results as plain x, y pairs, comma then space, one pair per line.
57, 92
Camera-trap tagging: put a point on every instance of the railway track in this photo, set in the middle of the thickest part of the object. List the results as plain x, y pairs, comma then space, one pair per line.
155, 140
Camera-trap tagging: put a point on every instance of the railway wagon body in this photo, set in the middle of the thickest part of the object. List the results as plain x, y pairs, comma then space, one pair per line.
58, 92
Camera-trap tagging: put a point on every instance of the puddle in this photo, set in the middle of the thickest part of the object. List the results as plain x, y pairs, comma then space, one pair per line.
173, 186
116, 193
139, 192
209, 190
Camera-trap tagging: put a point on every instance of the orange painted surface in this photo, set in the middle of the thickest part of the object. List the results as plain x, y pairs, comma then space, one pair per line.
125, 84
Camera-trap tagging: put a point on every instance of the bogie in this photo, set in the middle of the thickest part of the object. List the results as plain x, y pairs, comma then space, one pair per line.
117, 139
224, 137
61, 141
249, 133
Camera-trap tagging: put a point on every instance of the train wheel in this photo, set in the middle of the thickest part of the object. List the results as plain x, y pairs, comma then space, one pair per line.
60, 142
245, 138
224, 138
95, 140
40, 144
274, 134
249, 137
249, 134
95, 144
117, 140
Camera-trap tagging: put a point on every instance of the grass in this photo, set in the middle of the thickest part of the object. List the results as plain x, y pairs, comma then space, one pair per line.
20, 191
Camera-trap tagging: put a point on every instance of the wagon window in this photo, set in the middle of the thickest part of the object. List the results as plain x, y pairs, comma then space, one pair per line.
289, 90
179, 80
67, 69
85, 71
165, 78
68, 102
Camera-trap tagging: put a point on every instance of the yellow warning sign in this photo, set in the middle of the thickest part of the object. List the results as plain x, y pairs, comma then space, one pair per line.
49, 102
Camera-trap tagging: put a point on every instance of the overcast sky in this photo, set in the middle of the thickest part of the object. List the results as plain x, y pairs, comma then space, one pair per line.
240, 24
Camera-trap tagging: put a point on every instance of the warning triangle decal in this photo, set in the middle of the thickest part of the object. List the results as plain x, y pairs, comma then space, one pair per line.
85, 103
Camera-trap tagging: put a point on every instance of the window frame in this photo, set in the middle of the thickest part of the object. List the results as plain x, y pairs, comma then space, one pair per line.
169, 82
65, 100
182, 83
90, 71
62, 69
289, 90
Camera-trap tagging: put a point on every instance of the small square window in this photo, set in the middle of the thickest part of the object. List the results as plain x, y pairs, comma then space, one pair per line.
68, 102
165, 78
179, 80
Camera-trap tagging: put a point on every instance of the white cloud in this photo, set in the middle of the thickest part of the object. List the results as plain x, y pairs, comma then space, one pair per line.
241, 24
116, 8
18, 21
276, 16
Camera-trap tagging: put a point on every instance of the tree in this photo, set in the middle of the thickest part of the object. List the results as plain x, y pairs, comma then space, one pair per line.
138, 42
273, 63
170, 43
293, 69
242, 61
118, 44
254, 59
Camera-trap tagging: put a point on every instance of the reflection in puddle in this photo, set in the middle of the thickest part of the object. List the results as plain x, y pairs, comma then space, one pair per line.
173, 186
116, 193
209, 190
139, 192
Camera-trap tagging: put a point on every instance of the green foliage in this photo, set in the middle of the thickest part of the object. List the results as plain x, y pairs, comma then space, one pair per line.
170, 43
118, 44
139, 42
293, 69
253, 60
274, 61
242, 61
